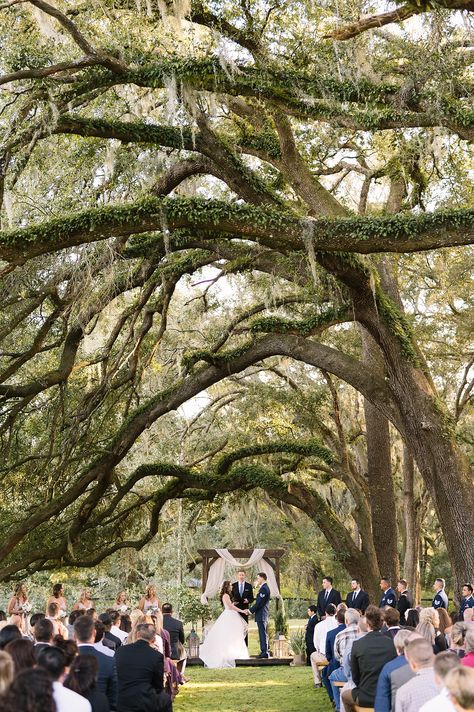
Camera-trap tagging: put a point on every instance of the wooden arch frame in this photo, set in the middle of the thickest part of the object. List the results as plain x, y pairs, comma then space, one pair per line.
209, 556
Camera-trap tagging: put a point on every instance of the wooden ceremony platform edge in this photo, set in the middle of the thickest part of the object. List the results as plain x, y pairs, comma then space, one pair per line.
248, 662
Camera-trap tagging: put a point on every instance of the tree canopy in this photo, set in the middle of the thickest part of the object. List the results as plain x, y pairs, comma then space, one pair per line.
194, 194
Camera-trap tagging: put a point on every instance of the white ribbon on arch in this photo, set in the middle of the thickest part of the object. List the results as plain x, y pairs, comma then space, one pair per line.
216, 572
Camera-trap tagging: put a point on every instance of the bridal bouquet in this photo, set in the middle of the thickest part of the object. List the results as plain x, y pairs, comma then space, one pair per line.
123, 608
62, 613
153, 610
25, 608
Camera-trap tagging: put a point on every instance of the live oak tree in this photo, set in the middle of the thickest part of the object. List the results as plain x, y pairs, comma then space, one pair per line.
149, 143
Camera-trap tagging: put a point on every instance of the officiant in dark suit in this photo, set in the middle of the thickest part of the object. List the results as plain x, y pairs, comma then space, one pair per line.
242, 596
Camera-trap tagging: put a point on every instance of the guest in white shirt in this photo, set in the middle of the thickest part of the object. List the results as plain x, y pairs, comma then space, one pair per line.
115, 630
101, 644
53, 660
320, 632
443, 664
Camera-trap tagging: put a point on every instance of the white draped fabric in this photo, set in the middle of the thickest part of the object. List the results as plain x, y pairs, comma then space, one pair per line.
215, 575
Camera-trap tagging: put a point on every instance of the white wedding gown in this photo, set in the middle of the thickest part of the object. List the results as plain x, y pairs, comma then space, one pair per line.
225, 642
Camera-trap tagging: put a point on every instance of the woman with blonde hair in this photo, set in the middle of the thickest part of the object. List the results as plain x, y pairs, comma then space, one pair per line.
428, 628
122, 603
7, 671
150, 603
85, 602
19, 607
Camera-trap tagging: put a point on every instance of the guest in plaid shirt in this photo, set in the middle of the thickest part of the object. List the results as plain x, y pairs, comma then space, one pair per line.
343, 642
349, 633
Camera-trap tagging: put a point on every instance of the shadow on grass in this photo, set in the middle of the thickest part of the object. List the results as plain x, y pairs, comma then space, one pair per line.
250, 689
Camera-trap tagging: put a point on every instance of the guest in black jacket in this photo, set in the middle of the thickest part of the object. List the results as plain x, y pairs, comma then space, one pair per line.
140, 672
309, 634
326, 596
369, 655
82, 679
174, 628
84, 633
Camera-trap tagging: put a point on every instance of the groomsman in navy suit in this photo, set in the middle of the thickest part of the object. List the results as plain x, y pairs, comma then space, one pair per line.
357, 598
326, 596
260, 610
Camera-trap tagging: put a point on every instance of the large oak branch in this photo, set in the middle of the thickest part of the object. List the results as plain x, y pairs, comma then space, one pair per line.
274, 228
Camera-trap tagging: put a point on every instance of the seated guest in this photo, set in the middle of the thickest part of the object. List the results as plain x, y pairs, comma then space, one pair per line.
458, 634
467, 598
176, 630
342, 641
84, 632
468, 659
115, 627
383, 693
54, 662
445, 623
102, 645
357, 598
82, 679
460, 685
468, 615
405, 600
422, 687
391, 618
412, 617
30, 691
7, 671
35, 618
68, 648
53, 614
333, 662
346, 665
9, 632
43, 633
106, 620
320, 632
369, 655
22, 652
428, 627
73, 616
389, 597
443, 664
140, 673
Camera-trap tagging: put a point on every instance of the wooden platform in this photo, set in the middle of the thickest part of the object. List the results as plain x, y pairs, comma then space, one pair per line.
250, 662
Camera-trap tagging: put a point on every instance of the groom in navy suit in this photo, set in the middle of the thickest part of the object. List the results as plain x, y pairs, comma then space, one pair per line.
260, 611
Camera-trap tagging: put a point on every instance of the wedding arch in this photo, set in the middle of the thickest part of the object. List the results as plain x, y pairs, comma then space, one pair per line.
215, 560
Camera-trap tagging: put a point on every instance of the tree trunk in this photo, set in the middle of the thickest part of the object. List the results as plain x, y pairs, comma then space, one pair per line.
382, 492
411, 566
379, 473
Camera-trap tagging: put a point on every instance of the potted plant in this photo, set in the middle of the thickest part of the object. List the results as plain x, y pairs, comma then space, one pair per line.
281, 621
298, 646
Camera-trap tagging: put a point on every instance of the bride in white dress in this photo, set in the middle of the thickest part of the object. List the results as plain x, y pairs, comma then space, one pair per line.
225, 642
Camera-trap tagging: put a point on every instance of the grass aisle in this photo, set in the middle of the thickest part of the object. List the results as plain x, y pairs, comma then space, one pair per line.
278, 689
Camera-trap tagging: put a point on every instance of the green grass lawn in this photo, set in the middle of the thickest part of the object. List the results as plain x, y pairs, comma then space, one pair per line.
272, 689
